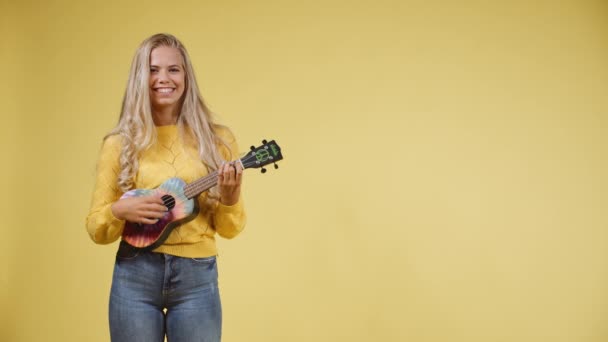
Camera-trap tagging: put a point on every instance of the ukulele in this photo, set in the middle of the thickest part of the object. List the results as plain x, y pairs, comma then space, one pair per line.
180, 199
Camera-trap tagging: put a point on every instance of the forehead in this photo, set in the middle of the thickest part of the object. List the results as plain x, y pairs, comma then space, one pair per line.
165, 55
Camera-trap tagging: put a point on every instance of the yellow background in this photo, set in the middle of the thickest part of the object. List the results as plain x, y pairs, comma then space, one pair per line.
445, 172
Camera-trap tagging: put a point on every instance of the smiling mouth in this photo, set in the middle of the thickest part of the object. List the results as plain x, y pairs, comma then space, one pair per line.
164, 90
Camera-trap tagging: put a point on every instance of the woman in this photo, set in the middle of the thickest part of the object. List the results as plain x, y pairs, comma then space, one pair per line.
165, 130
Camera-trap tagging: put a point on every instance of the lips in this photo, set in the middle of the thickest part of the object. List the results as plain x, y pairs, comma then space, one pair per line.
164, 90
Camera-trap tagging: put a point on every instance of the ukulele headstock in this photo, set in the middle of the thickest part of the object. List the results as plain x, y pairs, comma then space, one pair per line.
267, 153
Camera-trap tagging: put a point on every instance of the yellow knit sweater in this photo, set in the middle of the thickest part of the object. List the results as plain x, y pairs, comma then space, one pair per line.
169, 157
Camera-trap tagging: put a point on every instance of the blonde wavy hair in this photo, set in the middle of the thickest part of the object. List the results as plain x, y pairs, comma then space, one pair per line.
136, 125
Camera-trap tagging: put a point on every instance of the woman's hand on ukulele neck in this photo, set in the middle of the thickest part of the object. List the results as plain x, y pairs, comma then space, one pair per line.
230, 176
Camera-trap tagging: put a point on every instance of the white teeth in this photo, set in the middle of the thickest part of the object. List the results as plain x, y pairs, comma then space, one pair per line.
164, 90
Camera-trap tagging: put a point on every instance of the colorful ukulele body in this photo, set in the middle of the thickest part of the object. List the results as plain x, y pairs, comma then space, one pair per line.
181, 199
181, 209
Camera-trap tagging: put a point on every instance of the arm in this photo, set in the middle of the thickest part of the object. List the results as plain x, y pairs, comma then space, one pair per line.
106, 219
229, 217
103, 227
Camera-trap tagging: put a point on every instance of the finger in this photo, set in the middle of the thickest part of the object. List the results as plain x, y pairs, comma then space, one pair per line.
152, 214
153, 199
224, 174
220, 174
158, 207
239, 166
145, 220
154, 207
239, 173
230, 172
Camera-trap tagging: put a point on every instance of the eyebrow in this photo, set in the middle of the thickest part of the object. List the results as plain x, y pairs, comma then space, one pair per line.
170, 66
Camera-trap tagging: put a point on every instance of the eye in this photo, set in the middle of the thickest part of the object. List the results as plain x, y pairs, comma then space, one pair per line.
174, 70
153, 70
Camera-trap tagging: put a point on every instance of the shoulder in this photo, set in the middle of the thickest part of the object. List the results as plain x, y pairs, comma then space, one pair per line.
226, 142
112, 142
111, 147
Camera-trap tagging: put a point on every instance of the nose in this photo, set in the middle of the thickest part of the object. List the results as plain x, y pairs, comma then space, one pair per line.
163, 76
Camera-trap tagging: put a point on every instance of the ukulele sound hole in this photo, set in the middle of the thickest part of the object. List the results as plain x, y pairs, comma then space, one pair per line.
169, 201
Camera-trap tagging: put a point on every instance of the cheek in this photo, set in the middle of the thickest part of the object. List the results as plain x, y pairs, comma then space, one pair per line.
182, 84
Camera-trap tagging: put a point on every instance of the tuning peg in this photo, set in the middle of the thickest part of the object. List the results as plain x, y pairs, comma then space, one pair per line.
264, 142
263, 170
276, 166
252, 148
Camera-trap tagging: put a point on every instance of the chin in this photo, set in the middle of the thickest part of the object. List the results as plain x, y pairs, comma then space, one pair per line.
165, 102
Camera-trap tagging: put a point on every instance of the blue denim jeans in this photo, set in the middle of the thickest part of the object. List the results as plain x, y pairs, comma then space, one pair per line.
154, 294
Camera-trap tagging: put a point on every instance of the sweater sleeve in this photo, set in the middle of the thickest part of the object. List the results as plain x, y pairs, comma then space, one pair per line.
102, 226
229, 220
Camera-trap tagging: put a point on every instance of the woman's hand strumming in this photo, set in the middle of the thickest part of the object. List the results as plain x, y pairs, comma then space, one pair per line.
146, 210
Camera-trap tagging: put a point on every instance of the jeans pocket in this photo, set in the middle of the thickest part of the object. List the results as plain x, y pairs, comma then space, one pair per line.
205, 260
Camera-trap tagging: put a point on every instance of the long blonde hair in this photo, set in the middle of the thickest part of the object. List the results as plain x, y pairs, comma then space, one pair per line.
136, 125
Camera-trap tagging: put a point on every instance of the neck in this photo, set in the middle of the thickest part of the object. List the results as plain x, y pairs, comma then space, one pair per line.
165, 116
